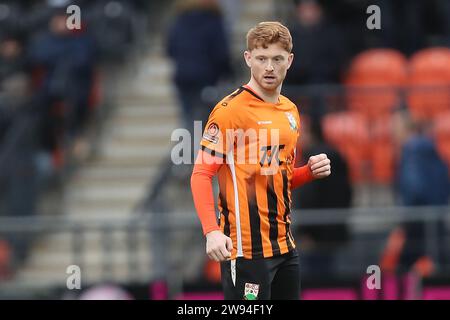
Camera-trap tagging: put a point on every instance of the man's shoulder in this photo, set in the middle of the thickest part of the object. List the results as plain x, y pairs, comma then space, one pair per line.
286, 101
232, 100
289, 105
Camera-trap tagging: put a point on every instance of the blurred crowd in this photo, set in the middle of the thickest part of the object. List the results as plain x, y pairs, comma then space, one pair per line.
50, 88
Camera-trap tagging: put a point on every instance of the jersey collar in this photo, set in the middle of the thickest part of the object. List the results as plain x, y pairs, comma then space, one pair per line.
253, 93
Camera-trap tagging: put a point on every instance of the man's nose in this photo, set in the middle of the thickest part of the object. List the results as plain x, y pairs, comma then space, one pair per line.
269, 67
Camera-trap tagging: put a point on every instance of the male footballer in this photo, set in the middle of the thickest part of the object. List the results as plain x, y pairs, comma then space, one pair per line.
249, 142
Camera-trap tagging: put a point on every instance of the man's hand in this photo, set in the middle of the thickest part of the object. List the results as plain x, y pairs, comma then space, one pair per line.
218, 246
320, 166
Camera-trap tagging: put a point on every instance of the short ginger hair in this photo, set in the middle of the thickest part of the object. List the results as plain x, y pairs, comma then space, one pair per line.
265, 33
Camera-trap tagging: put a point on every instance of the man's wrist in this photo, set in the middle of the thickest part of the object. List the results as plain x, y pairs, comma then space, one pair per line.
310, 174
209, 231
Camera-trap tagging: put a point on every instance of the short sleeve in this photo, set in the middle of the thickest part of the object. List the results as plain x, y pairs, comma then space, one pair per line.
217, 137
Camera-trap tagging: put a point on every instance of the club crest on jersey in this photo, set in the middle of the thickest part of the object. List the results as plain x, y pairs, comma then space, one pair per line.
251, 291
211, 133
292, 122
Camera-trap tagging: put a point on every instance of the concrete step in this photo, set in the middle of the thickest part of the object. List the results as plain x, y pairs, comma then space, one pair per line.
122, 192
146, 109
133, 98
156, 65
94, 173
149, 120
143, 143
118, 150
152, 90
162, 130
128, 163
145, 117
92, 205
156, 73
114, 212
108, 209
137, 161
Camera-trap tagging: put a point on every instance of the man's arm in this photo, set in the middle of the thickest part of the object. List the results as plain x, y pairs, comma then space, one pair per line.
218, 246
318, 167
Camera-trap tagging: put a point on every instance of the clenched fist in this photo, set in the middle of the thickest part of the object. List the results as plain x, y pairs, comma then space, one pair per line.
320, 166
218, 246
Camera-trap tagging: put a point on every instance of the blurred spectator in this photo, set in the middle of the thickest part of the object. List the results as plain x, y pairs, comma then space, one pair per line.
14, 97
422, 174
444, 9
423, 180
67, 58
12, 59
403, 25
318, 45
5, 260
11, 15
321, 243
14, 81
406, 25
111, 23
17, 167
198, 44
231, 14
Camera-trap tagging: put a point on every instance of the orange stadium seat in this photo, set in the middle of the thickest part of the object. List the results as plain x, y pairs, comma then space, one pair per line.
442, 136
429, 83
348, 132
382, 150
374, 81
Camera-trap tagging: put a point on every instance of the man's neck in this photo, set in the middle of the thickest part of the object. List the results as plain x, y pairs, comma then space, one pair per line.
268, 96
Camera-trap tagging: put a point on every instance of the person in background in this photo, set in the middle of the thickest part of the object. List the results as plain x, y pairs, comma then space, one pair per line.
422, 180
18, 170
68, 59
321, 243
198, 44
319, 46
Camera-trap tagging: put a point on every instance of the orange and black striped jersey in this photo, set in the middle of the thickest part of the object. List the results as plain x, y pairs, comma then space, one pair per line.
257, 139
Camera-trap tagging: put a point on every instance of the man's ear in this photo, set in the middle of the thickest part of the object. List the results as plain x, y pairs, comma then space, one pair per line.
290, 59
247, 57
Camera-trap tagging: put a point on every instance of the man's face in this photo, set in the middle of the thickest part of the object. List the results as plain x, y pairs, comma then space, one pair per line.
269, 66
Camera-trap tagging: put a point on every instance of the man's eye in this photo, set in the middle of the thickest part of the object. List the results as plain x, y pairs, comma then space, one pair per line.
261, 59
